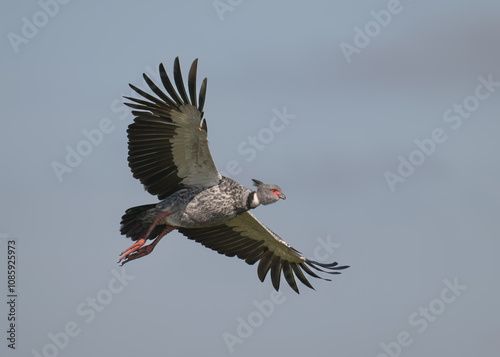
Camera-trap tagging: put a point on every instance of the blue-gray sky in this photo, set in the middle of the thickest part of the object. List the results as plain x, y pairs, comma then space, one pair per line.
365, 82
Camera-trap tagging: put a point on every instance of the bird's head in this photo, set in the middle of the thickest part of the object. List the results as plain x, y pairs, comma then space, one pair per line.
268, 194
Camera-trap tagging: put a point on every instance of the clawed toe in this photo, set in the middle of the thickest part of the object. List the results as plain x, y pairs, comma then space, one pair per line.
137, 250
136, 254
132, 249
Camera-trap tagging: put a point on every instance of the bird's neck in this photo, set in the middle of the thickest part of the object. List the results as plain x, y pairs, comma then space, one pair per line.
252, 200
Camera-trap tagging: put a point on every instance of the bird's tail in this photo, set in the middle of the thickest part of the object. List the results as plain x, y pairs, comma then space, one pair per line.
136, 222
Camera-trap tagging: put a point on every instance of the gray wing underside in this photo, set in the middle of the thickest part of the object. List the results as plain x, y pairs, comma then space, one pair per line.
248, 239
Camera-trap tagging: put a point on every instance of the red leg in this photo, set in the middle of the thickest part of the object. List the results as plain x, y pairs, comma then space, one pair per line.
133, 247
138, 246
143, 251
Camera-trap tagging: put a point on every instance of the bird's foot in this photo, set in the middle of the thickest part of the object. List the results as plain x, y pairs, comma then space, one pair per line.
138, 250
133, 249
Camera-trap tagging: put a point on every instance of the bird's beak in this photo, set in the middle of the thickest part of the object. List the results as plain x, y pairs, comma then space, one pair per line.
282, 196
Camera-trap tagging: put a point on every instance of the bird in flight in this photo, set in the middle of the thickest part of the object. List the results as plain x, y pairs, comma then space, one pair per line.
169, 154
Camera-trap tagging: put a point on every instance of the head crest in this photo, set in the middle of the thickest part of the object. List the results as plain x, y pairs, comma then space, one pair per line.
257, 182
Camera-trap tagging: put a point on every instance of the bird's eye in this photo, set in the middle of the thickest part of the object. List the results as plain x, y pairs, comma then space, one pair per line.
274, 191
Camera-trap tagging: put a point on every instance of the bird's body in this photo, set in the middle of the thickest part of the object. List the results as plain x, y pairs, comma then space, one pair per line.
168, 153
200, 207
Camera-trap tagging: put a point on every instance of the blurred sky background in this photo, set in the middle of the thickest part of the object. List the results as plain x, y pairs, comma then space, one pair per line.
353, 120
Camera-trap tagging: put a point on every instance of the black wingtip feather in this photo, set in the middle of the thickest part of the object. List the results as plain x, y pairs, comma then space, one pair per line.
178, 80
168, 85
158, 91
148, 96
298, 272
203, 93
264, 265
192, 82
287, 272
276, 271
331, 266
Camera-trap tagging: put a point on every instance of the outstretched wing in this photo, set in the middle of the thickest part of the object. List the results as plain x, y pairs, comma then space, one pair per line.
248, 239
168, 147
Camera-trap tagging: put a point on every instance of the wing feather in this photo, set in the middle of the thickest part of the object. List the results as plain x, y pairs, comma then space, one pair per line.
298, 272
288, 274
178, 81
265, 265
168, 85
203, 92
168, 146
158, 91
254, 257
276, 271
192, 82
248, 239
148, 96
